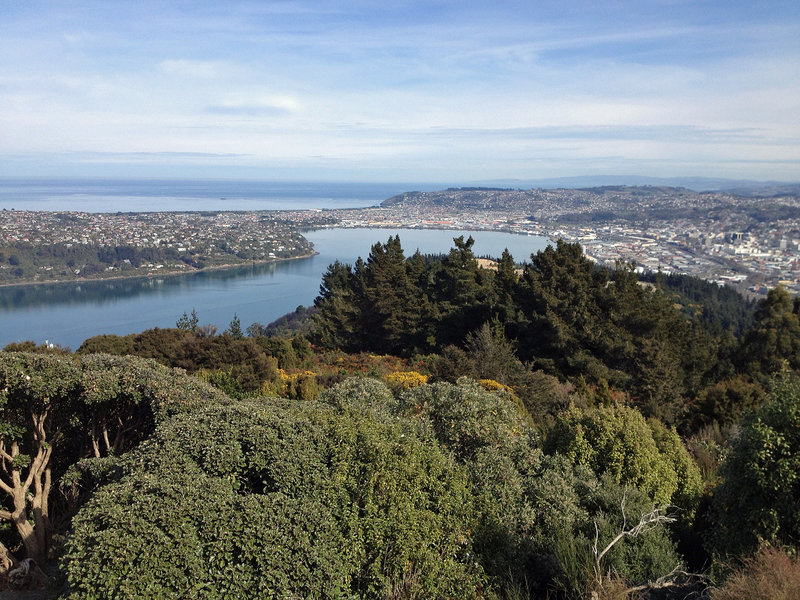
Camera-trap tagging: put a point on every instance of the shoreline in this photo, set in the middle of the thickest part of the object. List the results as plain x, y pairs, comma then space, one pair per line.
159, 273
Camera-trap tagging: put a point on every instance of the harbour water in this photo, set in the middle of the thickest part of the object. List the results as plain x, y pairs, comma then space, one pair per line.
69, 313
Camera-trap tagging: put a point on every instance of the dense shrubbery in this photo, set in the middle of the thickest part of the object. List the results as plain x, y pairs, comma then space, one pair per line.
265, 500
758, 500
616, 440
516, 462
568, 318
56, 410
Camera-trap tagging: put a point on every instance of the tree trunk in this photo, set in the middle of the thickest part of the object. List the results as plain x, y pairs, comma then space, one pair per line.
29, 538
7, 560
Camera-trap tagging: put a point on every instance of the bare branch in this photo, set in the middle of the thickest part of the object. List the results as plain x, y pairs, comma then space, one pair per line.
647, 522
669, 580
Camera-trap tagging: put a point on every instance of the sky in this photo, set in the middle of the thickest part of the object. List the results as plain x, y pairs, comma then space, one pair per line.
455, 90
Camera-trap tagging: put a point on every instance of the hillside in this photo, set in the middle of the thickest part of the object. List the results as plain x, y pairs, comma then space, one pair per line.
546, 431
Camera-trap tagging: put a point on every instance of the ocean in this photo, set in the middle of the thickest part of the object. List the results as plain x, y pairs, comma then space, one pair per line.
151, 195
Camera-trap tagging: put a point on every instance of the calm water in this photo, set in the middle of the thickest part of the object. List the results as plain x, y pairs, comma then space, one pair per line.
69, 313
148, 195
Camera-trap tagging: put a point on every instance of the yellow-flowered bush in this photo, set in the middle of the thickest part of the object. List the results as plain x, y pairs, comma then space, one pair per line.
490, 385
295, 386
405, 380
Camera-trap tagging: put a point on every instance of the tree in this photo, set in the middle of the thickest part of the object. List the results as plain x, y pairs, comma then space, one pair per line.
616, 440
188, 323
774, 340
35, 390
337, 320
304, 500
235, 328
461, 293
56, 410
390, 312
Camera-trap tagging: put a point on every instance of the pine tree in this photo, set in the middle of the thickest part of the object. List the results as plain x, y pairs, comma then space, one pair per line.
235, 328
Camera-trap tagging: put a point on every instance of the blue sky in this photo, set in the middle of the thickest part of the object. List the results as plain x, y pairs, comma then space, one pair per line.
454, 91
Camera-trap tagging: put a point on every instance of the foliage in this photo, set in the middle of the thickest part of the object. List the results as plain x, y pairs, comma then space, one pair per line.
759, 497
57, 409
405, 380
618, 441
244, 359
256, 500
719, 307
564, 316
187, 322
235, 328
709, 446
727, 401
528, 502
774, 340
621, 522
295, 386
298, 322
772, 574
29, 346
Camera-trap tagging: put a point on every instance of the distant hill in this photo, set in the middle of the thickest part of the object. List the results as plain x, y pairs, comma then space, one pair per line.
743, 187
594, 204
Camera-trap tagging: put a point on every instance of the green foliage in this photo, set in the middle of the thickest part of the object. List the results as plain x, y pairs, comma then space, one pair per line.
566, 316
243, 359
718, 307
56, 409
188, 323
618, 441
29, 346
235, 328
299, 322
609, 509
774, 340
759, 497
257, 500
690, 482
727, 401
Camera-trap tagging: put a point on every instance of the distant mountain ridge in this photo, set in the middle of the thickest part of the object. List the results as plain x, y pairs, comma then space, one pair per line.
742, 187
596, 204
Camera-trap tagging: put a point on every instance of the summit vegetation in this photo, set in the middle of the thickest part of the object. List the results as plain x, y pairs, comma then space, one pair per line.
430, 428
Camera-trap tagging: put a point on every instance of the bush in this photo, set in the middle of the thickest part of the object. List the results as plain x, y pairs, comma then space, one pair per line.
277, 500
759, 497
618, 441
771, 574
405, 380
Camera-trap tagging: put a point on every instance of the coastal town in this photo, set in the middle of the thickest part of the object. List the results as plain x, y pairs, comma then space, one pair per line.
750, 243
39, 246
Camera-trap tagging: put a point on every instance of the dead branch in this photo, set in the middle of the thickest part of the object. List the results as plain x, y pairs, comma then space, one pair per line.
647, 522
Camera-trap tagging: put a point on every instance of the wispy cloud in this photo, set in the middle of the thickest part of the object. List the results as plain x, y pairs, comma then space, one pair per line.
511, 88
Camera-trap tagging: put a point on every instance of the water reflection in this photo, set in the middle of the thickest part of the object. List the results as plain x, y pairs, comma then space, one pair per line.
103, 292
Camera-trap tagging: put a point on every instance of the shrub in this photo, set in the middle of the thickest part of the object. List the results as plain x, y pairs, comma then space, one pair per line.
295, 386
405, 380
771, 574
759, 497
277, 500
617, 440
